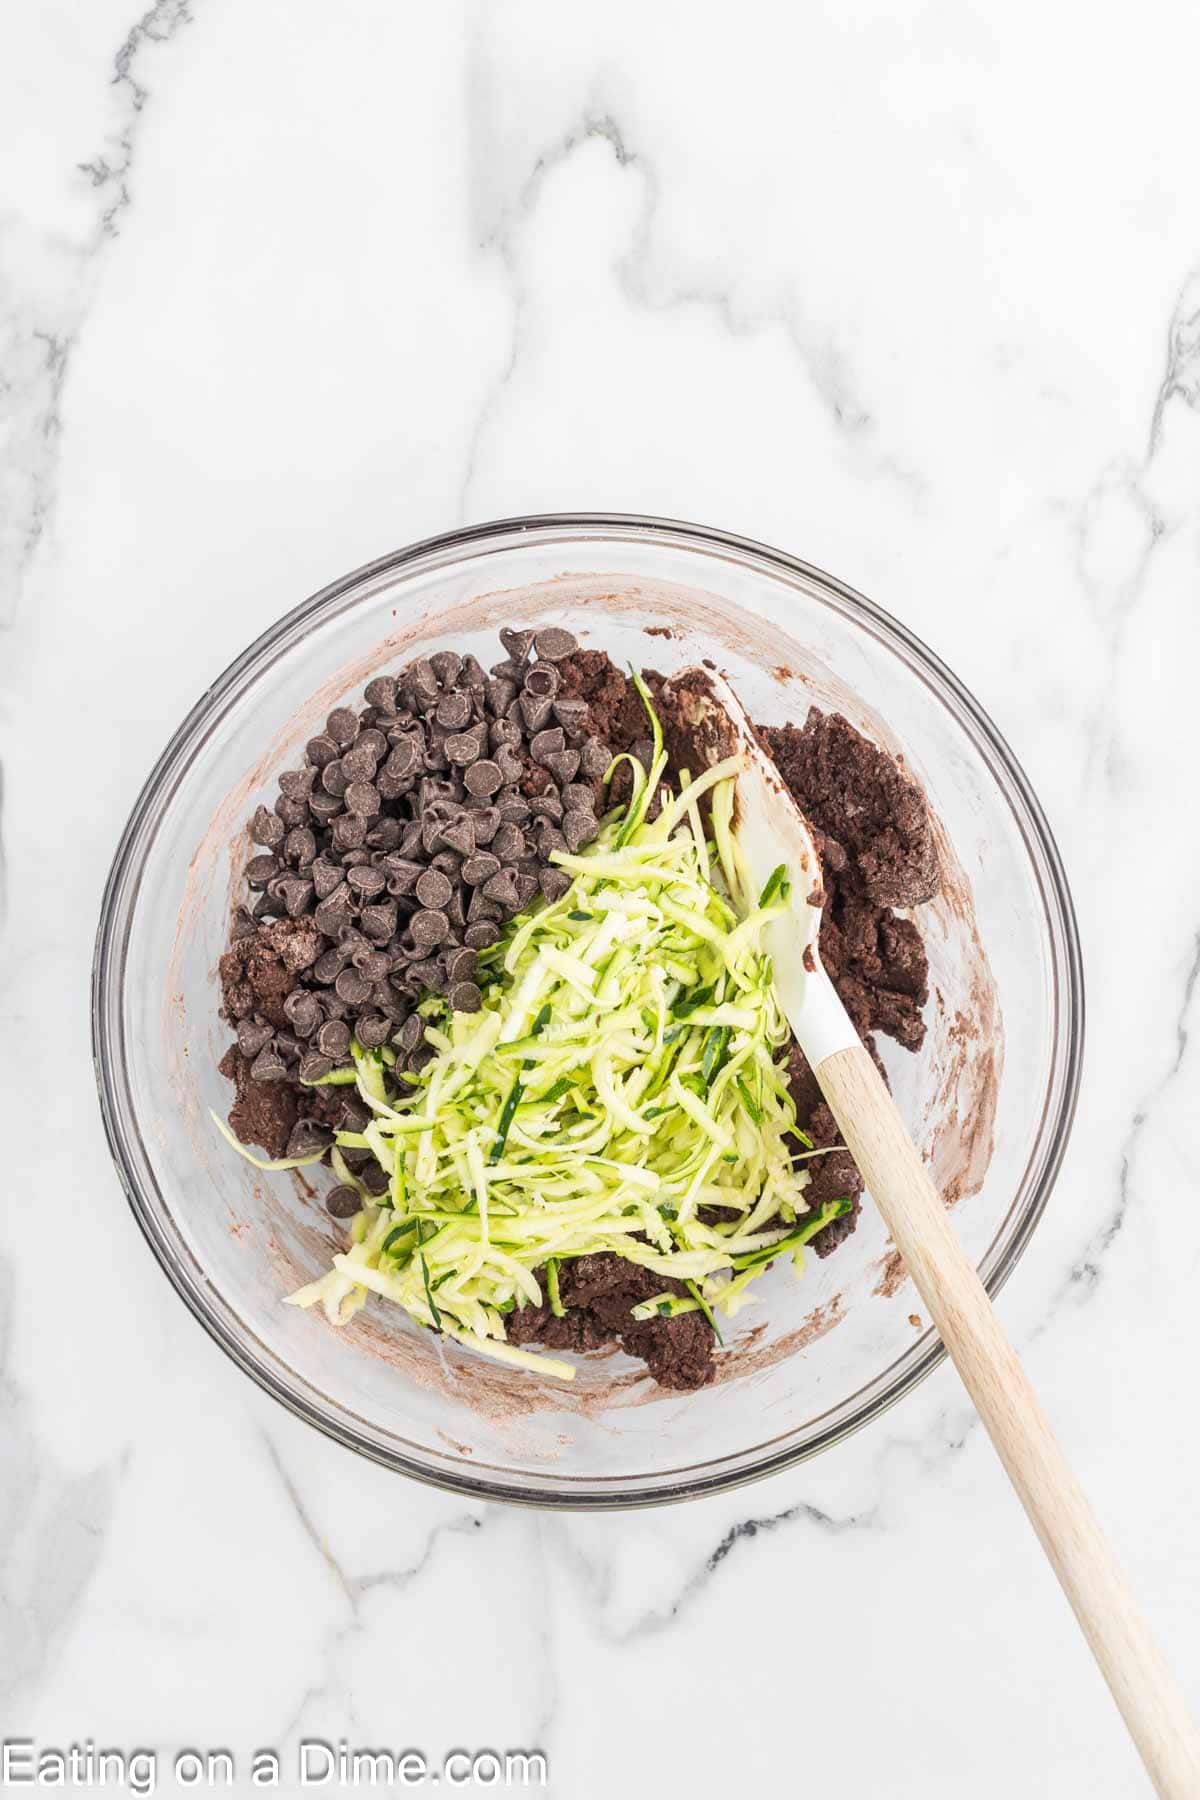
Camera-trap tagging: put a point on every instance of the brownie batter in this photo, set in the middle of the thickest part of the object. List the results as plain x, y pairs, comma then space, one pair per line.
599, 1293
872, 832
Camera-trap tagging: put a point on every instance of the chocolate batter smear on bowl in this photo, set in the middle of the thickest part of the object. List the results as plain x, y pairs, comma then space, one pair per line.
477, 954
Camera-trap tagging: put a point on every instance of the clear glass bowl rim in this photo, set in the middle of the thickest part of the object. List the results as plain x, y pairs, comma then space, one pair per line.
123, 885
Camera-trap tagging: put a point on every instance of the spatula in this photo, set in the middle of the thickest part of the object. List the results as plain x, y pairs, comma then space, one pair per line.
771, 830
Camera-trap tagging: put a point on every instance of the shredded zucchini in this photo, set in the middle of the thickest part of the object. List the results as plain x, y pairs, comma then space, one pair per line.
618, 1091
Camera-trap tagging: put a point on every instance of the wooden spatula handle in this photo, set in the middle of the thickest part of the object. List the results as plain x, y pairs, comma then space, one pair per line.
1150, 1701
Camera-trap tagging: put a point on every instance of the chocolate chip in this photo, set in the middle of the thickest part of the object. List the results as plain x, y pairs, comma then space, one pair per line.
483, 778
300, 846
375, 965
426, 974
472, 675
546, 744
459, 964
334, 779
542, 681
453, 711
511, 769
390, 1003
554, 883
594, 758
506, 669
343, 1202
563, 765
381, 692
480, 868
252, 1034
321, 750
535, 710
313, 1065
481, 935
342, 726
517, 643
504, 731
404, 758
334, 911
465, 997
325, 876
508, 843
460, 834
554, 643
328, 967
360, 762
501, 889
362, 797
349, 832
572, 714
577, 796
379, 921
351, 987
433, 889
307, 1136
435, 789
424, 681
527, 887
482, 908
429, 928
324, 807
485, 824
333, 1039
296, 784
500, 694
402, 873
268, 1065
259, 871
303, 1011
385, 834
579, 828
513, 809
464, 747
297, 897
267, 828
446, 665
392, 786
547, 806
367, 879
372, 1030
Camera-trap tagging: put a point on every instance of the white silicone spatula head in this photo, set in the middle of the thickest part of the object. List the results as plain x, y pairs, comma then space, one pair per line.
770, 830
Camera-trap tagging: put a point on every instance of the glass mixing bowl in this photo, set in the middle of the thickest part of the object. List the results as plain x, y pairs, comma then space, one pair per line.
990, 1097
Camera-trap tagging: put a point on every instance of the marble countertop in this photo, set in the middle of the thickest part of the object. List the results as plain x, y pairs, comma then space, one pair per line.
912, 293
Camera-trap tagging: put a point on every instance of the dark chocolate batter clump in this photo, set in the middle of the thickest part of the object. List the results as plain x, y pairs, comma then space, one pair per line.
870, 814
599, 1293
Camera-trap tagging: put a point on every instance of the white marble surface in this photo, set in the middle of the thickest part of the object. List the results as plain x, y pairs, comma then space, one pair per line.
913, 292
